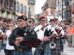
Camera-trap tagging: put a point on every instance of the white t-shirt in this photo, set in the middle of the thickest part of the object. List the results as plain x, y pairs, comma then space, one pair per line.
9, 47
40, 32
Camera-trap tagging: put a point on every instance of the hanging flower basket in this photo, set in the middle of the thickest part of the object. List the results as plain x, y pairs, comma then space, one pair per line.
2, 11
14, 13
8, 12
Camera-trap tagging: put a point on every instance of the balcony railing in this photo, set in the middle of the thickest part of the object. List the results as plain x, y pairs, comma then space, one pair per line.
31, 2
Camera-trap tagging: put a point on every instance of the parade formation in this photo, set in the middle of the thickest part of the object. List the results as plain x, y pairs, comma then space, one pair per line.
46, 37
22, 32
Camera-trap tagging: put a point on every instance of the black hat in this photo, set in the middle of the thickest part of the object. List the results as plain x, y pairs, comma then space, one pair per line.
22, 17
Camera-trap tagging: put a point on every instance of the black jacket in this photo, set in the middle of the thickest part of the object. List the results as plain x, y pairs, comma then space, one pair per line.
28, 34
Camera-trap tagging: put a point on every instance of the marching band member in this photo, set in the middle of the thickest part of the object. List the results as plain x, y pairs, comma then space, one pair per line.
1, 34
22, 37
58, 23
9, 50
40, 29
59, 34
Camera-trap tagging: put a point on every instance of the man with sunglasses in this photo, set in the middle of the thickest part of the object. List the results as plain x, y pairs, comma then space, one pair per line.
21, 37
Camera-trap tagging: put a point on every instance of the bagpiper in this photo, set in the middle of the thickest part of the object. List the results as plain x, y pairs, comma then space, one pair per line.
40, 29
59, 33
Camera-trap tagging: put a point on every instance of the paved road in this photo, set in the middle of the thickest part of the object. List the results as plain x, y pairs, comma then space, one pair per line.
67, 51
2, 52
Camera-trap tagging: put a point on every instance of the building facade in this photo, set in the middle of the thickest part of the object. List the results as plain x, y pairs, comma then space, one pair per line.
31, 8
63, 9
14, 8
25, 7
49, 7
7, 8
21, 7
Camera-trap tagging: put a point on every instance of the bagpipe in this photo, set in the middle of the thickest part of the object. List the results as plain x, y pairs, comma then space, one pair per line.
30, 43
53, 37
33, 43
36, 42
47, 33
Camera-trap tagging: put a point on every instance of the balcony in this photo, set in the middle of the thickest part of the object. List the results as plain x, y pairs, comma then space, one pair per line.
31, 2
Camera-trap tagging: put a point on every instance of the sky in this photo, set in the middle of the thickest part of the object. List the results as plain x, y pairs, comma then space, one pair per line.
39, 4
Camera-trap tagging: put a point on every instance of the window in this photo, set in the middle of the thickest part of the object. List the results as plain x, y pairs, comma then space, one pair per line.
66, 2
1, 1
21, 8
29, 8
67, 14
29, 12
11, 4
5, 4
17, 6
32, 2
25, 9
14, 5
73, 4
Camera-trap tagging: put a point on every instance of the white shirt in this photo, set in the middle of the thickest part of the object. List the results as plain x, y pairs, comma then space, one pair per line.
1, 32
40, 32
9, 47
37, 28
